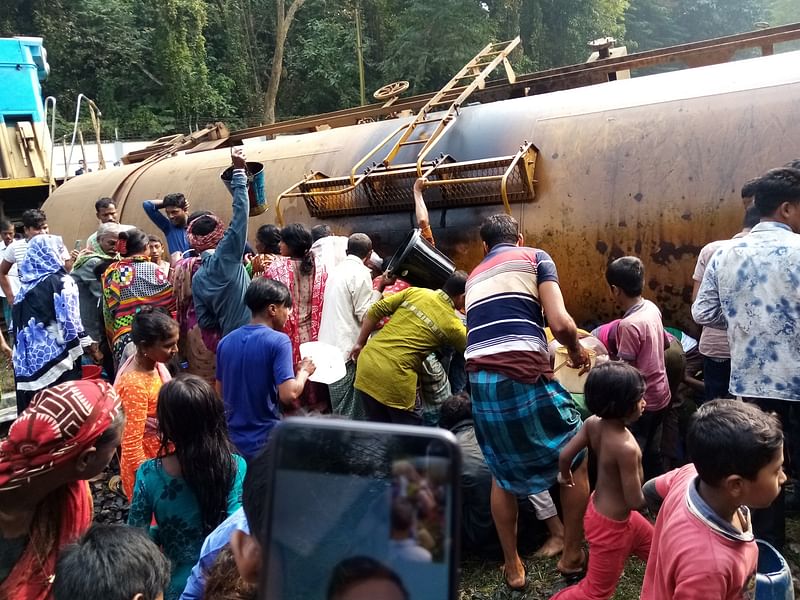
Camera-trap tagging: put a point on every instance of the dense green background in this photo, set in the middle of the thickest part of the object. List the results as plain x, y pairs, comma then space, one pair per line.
157, 66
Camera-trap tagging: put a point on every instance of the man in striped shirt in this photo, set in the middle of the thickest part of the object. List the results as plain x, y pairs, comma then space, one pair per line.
523, 417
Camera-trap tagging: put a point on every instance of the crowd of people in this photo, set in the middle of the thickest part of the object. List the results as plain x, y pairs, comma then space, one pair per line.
178, 370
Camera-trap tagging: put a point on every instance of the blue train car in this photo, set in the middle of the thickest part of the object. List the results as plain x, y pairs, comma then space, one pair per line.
24, 136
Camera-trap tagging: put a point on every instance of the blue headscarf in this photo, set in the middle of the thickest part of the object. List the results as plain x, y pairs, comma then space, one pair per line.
42, 259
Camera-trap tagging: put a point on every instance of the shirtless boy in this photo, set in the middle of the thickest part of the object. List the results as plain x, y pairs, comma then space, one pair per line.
614, 529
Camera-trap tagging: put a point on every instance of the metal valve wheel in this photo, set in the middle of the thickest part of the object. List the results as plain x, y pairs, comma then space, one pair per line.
390, 90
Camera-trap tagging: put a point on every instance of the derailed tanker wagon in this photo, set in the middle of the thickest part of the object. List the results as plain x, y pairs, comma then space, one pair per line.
650, 166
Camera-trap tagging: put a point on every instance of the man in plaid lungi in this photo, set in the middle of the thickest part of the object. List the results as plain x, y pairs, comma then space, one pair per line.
523, 417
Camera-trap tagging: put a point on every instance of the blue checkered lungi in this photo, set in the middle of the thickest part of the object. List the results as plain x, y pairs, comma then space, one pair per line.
521, 428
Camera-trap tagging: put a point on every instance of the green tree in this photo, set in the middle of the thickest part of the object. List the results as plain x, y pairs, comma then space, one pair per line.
321, 64
649, 24
706, 19
430, 41
180, 51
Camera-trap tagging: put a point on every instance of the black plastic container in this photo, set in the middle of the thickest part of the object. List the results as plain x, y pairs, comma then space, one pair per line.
419, 263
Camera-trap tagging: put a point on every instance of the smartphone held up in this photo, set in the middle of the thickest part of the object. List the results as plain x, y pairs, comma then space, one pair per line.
360, 510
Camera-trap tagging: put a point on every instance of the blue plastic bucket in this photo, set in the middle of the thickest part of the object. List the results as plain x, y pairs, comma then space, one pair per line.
255, 186
773, 577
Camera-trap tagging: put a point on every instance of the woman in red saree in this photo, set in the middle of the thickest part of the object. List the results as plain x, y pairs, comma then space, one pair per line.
305, 278
66, 436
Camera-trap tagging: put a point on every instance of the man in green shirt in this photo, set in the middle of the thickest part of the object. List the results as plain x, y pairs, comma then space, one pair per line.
421, 321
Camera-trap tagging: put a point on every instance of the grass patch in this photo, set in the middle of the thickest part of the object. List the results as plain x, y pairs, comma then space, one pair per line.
482, 580
6, 380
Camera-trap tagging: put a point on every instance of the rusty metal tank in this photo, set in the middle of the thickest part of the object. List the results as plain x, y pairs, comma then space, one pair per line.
651, 166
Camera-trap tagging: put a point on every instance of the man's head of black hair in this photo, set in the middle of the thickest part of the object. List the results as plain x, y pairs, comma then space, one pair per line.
456, 409
320, 231
732, 437
499, 229
627, 275
111, 562
777, 193
263, 292
176, 200
455, 287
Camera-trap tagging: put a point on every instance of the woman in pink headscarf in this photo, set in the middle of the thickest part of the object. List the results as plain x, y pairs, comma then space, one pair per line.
66, 436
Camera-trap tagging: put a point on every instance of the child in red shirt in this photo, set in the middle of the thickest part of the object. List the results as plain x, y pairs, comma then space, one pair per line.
703, 546
614, 529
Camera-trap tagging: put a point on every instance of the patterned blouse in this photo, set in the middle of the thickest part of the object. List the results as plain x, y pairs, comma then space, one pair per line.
127, 285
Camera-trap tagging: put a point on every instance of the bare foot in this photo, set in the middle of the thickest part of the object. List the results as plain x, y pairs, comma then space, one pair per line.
552, 547
514, 575
572, 565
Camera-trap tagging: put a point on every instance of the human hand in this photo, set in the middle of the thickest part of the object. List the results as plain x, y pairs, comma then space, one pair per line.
248, 258
306, 365
386, 280
356, 351
419, 185
565, 478
74, 254
579, 358
238, 158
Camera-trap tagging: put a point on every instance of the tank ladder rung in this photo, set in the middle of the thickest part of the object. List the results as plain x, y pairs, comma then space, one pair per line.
477, 70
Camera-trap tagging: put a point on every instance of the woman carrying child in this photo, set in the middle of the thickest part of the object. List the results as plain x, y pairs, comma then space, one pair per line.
138, 382
614, 528
196, 481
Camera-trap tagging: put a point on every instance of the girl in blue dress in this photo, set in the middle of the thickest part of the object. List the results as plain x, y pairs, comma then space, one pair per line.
195, 483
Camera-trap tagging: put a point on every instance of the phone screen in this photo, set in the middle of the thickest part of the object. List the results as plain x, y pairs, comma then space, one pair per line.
364, 506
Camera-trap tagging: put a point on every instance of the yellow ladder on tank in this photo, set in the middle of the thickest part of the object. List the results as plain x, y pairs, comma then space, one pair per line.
452, 96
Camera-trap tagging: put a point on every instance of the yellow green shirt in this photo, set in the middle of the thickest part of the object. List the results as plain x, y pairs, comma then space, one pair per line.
422, 320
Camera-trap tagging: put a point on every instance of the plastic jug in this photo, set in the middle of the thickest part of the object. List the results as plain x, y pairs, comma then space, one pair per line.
773, 577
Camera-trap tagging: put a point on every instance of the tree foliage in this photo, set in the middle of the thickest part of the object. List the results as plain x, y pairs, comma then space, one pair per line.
156, 66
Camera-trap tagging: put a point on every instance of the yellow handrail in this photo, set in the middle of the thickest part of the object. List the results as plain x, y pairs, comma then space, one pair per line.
373, 151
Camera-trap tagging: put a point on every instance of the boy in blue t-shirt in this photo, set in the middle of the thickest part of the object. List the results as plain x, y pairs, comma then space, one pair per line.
254, 368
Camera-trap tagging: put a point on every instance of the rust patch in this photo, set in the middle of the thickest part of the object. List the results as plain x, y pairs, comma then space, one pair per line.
622, 223
638, 196
616, 252
554, 155
601, 247
652, 284
687, 216
637, 247
669, 251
